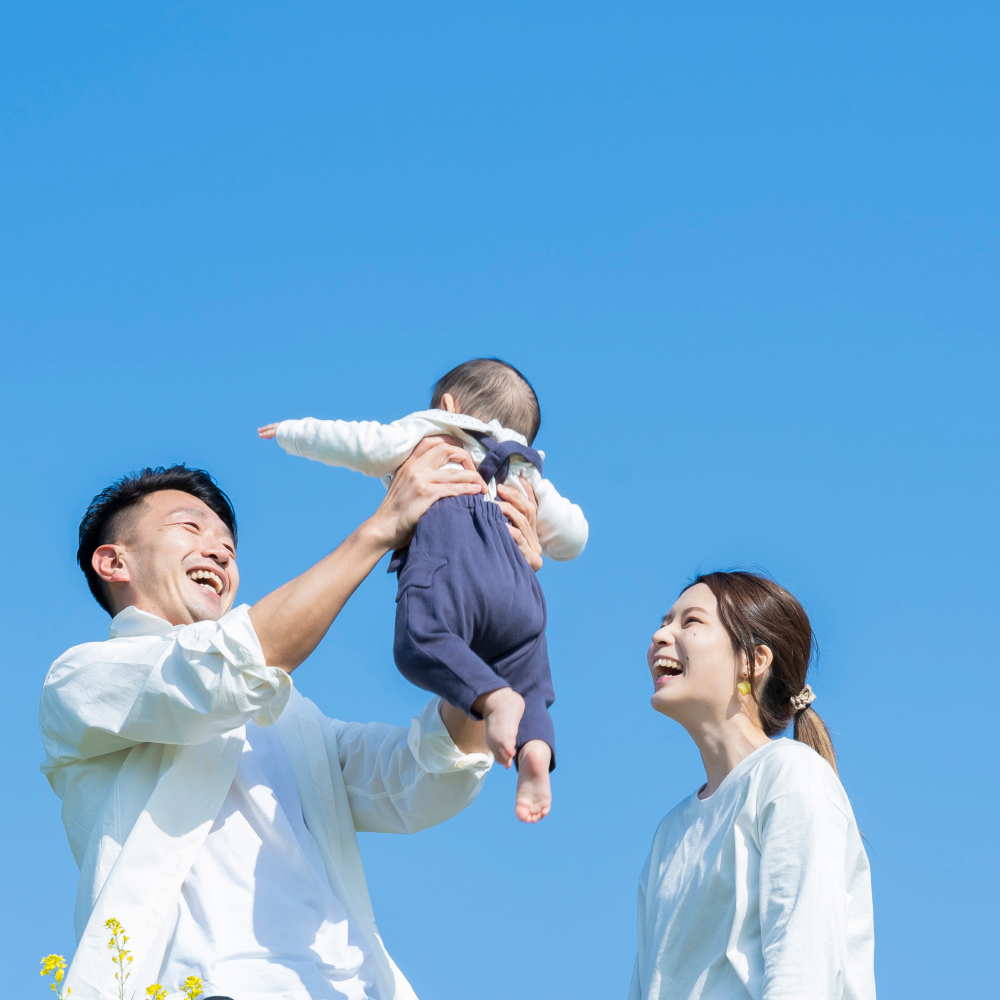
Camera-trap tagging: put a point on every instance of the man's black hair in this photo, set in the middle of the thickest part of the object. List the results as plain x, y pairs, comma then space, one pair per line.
106, 518
491, 389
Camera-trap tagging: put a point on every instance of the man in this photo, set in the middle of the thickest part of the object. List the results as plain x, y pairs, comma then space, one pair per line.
211, 808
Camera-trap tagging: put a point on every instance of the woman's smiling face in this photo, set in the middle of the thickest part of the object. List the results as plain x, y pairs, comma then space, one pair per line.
691, 658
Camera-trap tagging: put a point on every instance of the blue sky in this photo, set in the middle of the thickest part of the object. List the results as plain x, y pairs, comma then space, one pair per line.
748, 255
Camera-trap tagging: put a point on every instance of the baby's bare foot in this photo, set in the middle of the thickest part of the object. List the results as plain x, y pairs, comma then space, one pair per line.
534, 793
501, 710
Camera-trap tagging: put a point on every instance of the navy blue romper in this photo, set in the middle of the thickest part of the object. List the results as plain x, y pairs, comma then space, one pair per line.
470, 613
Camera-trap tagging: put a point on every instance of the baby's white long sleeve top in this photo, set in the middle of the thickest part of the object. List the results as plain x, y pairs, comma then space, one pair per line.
380, 449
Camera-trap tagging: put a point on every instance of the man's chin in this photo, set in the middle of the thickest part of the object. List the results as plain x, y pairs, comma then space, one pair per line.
207, 608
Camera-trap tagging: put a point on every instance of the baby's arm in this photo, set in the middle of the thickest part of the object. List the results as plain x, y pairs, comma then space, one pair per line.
364, 446
562, 528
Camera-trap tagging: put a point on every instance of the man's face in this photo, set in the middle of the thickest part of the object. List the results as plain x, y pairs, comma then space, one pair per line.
178, 561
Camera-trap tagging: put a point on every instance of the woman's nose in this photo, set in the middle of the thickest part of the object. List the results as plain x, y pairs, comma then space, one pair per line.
662, 637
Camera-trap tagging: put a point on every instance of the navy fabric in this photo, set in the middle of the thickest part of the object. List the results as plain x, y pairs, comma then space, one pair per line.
497, 461
470, 613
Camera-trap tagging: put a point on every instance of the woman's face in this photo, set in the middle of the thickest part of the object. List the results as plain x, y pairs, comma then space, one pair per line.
691, 658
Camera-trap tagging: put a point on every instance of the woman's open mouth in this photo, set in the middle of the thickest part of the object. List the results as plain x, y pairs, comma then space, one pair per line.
664, 667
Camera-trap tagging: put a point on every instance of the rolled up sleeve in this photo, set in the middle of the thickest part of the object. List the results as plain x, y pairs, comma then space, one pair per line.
182, 687
403, 780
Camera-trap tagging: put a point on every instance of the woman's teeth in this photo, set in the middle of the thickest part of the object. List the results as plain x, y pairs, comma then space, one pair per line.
666, 668
207, 578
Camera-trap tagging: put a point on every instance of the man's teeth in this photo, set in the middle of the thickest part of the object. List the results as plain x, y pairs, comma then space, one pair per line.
207, 578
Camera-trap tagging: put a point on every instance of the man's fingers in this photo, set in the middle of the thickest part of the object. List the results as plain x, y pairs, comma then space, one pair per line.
441, 449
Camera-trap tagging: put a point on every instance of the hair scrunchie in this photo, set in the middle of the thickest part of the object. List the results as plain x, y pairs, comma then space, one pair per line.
803, 699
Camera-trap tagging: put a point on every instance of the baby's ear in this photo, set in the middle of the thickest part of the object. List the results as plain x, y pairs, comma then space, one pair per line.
448, 403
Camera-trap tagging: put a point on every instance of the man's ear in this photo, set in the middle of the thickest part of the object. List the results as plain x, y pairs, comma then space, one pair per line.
762, 660
109, 564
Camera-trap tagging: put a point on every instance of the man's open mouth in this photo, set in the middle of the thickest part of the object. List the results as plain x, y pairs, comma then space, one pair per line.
206, 578
663, 667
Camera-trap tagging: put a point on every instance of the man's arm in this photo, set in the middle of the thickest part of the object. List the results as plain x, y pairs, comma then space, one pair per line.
291, 621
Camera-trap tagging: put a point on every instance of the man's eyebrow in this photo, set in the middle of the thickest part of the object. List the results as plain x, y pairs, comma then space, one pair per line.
187, 510
200, 514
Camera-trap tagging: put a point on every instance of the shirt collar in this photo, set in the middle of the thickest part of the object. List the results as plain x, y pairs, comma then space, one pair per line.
132, 621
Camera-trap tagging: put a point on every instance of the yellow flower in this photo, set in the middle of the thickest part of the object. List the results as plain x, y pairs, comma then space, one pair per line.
122, 956
156, 992
52, 963
55, 966
192, 987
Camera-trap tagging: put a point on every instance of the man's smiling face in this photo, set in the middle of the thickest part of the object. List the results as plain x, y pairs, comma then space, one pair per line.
175, 559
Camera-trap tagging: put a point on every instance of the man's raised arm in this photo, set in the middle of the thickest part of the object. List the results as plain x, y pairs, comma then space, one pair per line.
291, 621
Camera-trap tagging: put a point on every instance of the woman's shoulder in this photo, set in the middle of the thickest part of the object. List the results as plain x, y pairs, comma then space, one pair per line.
791, 767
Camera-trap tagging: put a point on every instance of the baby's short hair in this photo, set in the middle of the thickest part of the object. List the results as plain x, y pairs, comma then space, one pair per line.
490, 389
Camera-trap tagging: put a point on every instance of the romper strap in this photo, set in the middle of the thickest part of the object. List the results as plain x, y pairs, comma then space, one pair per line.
497, 461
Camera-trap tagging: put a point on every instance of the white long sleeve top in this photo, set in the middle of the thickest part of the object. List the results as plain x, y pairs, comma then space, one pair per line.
380, 449
761, 890
144, 735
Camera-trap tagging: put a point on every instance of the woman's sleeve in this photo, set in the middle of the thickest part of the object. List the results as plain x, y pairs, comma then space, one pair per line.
364, 446
562, 528
635, 991
803, 897
404, 780
182, 688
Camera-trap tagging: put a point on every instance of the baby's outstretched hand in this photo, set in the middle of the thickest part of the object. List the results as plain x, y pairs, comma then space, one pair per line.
268, 431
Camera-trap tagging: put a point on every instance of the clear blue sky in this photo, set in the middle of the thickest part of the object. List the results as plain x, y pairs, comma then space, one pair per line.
749, 256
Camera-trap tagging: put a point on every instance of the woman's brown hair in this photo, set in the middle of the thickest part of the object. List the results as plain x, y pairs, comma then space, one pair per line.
756, 612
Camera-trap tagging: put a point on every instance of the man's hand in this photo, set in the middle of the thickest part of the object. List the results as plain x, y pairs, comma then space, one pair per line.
419, 482
521, 511
291, 621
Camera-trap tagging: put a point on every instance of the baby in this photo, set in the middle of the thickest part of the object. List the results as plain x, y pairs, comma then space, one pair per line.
470, 613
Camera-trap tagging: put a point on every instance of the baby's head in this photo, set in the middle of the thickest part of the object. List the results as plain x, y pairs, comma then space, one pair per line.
490, 389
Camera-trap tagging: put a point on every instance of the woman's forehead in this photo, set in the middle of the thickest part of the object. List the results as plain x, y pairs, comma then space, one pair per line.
698, 597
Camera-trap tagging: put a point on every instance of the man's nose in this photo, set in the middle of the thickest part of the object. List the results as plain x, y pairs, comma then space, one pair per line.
215, 549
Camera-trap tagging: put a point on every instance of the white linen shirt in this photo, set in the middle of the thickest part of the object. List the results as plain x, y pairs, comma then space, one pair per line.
380, 449
762, 890
257, 918
143, 736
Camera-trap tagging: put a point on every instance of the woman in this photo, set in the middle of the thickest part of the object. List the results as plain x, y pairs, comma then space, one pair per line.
757, 885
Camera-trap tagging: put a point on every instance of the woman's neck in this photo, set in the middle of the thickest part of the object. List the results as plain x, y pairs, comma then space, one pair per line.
723, 744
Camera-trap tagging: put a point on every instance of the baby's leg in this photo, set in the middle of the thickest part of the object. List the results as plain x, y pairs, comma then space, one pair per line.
534, 791
535, 759
502, 711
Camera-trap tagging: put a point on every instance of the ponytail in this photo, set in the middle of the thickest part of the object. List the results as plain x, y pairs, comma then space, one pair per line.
810, 729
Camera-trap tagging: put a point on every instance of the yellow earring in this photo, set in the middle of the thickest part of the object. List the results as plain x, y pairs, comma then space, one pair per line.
743, 687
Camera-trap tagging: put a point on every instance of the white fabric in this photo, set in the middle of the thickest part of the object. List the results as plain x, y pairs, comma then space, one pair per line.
257, 918
144, 735
380, 449
761, 890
